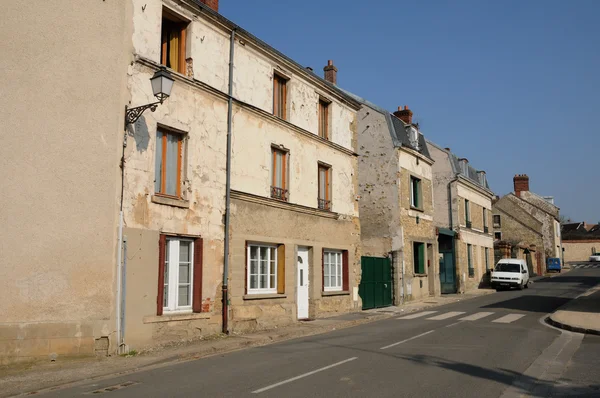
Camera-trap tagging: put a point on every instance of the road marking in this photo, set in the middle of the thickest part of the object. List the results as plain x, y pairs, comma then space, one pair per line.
418, 315
404, 341
452, 324
447, 315
509, 318
476, 316
303, 375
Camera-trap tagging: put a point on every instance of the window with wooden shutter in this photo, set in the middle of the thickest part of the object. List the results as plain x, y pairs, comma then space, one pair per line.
279, 96
345, 271
173, 40
324, 119
335, 270
197, 291
279, 171
168, 163
324, 181
419, 258
160, 297
281, 269
262, 269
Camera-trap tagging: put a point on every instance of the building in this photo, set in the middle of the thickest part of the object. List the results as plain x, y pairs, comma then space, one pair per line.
396, 208
580, 240
463, 208
134, 250
532, 216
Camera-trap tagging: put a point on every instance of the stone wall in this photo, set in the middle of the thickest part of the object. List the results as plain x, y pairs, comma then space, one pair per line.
580, 250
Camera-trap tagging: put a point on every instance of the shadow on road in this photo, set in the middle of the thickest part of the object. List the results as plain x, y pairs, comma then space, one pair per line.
543, 304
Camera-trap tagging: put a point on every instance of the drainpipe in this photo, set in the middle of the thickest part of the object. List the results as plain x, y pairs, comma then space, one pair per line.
119, 292
228, 186
122, 344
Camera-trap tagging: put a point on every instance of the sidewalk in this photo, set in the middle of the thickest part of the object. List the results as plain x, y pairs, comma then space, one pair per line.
43, 376
581, 314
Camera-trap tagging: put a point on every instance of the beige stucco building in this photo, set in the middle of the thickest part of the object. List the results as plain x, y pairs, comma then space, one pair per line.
463, 207
396, 203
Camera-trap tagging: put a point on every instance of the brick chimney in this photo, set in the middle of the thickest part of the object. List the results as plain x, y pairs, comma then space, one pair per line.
330, 72
521, 182
404, 114
214, 4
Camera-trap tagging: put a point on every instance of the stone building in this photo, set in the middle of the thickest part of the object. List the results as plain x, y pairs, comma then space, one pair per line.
396, 201
580, 240
463, 208
531, 215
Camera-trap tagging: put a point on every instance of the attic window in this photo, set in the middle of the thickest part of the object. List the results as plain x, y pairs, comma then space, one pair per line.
413, 137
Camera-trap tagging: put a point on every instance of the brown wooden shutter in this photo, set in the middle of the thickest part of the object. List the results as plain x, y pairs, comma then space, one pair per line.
323, 270
281, 269
246, 276
197, 293
162, 243
345, 274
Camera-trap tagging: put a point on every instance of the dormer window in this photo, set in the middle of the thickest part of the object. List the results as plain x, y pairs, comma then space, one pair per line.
413, 137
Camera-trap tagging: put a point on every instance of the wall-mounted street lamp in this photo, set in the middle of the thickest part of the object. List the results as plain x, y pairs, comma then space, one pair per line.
162, 83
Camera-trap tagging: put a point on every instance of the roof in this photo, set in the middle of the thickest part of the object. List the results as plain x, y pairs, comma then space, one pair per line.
263, 44
471, 173
396, 127
577, 231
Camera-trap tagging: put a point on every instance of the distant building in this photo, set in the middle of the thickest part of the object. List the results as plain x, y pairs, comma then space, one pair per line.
580, 240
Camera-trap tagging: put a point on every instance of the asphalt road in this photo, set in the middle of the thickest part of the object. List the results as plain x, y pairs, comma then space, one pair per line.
491, 346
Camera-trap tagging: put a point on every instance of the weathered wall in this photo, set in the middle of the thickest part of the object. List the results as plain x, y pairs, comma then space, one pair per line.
442, 176
580, 250
62, 116
479, 242
263, 221
378, 179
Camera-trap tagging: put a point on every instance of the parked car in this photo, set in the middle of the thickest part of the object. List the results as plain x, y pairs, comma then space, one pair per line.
553, 264
595, 257
510, 272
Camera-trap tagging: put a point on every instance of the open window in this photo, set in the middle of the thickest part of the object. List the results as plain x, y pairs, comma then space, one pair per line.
173, 41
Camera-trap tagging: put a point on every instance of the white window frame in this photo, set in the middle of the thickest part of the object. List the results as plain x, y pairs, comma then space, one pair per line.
172, 266
269, 289
338, 270
412, 192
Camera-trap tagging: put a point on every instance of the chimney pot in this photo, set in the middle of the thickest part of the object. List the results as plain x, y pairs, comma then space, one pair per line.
213, 4
404, 114
330, 72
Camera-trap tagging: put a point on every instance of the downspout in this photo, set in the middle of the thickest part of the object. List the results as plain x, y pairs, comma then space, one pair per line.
122, 344
228, 187
119, 249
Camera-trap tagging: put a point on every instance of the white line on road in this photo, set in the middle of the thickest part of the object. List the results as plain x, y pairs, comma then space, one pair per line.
476, 316
509, 318
303, 375
452, 324
447, 315
418, 315
404, 341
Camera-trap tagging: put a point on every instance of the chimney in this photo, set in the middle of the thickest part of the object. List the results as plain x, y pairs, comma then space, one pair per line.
448, 149
404, 114
330, 72
521, 182
214, 4
308, 68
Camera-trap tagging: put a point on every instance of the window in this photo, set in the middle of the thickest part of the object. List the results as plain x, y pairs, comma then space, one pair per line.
279, 96
324, 198
467, 213
167, 170
415, 192
496, 221
279, 175
332, 270
470, 260
324, 119
173, 39
262, 269
419, 258
179, 274
487, 261
485, 221
498, 235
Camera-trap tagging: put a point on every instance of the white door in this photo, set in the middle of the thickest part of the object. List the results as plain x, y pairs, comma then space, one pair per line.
302, 284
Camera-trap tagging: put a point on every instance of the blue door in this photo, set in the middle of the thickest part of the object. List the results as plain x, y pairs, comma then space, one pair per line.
447, 273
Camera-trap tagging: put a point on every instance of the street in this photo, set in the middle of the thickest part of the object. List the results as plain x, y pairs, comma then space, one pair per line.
491, 346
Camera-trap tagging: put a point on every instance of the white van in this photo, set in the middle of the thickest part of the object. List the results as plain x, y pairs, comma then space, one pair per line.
510, 272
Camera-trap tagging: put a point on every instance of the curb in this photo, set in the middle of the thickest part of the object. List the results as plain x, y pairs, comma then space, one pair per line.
570, 328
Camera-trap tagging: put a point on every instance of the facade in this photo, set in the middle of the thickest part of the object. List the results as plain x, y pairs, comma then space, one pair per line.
463, 216
580, 241
396, 200
62, 133
523, 206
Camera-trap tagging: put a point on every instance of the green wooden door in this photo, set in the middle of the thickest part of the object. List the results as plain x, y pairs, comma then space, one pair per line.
447, 273
375, 287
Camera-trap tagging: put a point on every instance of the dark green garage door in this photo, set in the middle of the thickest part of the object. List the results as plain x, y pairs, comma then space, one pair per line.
375, 287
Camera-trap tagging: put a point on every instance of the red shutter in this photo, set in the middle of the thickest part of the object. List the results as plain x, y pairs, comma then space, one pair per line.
162, 243
345, 275
197, 293
323, 270
246, 268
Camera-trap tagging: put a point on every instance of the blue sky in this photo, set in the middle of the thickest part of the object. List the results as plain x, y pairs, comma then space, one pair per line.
514, 86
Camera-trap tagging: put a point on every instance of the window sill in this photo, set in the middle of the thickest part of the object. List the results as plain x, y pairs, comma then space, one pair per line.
420, 275
264, 296
336, 293
163, 200
175, 317
417, 209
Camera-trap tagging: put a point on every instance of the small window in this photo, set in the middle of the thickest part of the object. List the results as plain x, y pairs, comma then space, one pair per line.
485, 220
498, 235
487, 261
279, 174
467, 213
324, 119
324, 198
279, 96
262, 269
419, 258
173, 37
167, 169
470, 260
332, 271
415, 193
496, 221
